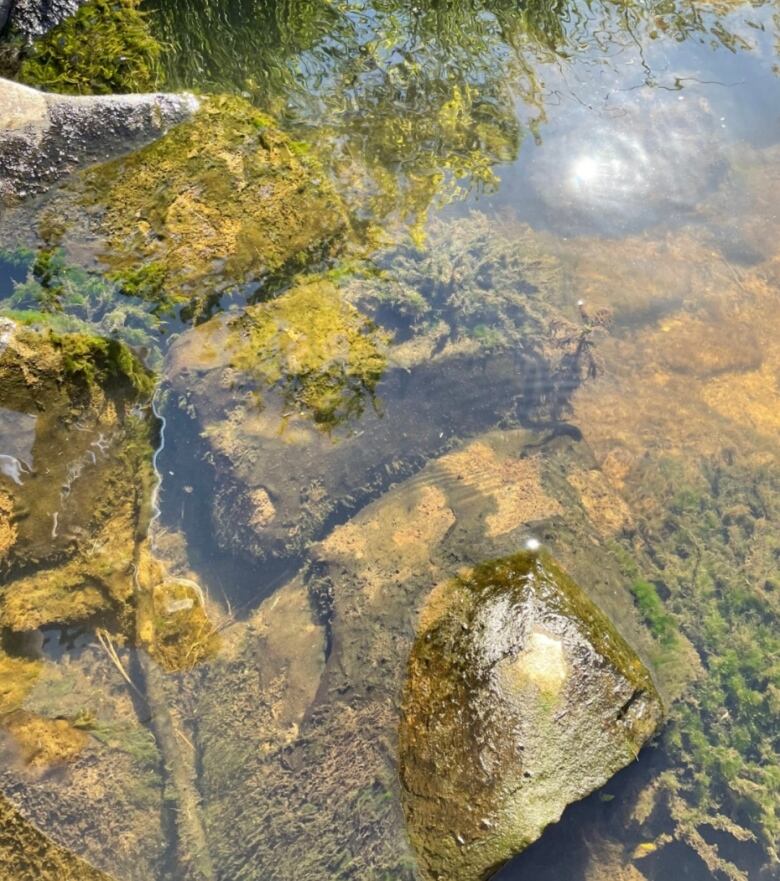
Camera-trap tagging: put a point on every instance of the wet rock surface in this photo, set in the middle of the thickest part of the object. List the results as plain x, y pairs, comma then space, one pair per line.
74, 470
521, 698
32, 18
46, 137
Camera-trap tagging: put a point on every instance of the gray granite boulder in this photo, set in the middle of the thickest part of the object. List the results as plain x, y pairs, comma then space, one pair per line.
45, 137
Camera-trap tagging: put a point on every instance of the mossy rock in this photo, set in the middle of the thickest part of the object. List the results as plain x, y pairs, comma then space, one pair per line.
521, 698
325, 356
75, 476
26, 854
220, 201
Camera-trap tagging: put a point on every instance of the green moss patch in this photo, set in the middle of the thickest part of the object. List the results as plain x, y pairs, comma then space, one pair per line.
325, 356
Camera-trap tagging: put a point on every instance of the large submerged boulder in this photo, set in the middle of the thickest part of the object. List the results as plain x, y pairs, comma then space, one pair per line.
76, 761
44, 137
521, 698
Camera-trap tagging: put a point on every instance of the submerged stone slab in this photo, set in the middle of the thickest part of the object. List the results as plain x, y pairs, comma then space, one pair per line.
521, 698
45, 137
359, 382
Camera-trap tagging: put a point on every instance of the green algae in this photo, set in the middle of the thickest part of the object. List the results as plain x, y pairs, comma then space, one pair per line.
651, 608
97, 359
325, 356
716, 553
472, 280
63, 297
105, 47
219, 201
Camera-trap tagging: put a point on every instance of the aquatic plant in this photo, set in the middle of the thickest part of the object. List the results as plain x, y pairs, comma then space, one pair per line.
470, 281
324, 356
67, 299
219, 201
106, 46
652, 610
477, 286
715, 541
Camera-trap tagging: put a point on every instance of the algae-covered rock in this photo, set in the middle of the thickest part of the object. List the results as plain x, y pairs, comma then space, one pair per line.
220, 201
302, 708
521, 698
74, 471
325, 356
45, 137
26, 854
397, 367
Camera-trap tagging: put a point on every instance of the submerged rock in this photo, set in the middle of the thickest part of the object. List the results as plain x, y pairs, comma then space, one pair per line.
301, 710
73, 469
32, 18
45, 137
221, 201
26, 854
360, 383
521, 698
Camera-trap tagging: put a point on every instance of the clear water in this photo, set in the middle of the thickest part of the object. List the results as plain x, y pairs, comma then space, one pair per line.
635, 145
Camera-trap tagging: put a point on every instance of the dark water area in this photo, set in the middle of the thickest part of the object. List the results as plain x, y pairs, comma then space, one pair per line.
543, 308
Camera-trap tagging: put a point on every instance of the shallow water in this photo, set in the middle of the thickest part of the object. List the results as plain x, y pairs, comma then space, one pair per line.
561, 222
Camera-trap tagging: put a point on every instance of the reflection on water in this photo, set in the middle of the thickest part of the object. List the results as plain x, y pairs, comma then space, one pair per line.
506, 272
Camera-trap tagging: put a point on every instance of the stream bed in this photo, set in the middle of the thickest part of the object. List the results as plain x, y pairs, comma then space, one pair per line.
417, 286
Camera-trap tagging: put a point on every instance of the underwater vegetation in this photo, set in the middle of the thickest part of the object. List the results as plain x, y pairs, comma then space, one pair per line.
218, 202
410, 110
413, 106
105, 47
66, 298
470, 281
326, 357
716, 546
685, 426
477, 285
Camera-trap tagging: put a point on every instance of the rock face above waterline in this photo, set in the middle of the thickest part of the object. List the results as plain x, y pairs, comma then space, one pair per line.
521, 698
45, 137
35, 17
